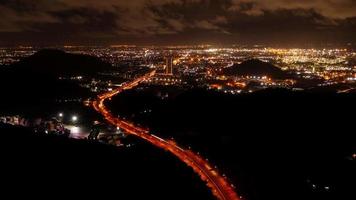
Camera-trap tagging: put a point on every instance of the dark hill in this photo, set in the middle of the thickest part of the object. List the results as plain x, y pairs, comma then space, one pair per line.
42, 165
34, 80
59, 63
273, 144
256, 67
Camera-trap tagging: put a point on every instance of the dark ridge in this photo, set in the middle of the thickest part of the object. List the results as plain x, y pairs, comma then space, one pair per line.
35, 80
256, 67
42, 165
273, 144
59, 63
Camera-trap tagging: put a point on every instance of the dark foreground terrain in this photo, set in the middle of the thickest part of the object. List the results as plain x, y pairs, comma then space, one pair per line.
37, 166
273, 144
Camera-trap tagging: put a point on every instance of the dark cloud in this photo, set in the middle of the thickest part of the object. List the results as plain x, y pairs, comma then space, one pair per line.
176, 21
337, 9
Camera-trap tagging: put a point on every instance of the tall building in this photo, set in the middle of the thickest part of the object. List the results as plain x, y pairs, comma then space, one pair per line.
169, 65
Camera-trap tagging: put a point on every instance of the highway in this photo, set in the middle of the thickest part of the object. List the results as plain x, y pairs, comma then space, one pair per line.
346, 90
218, 184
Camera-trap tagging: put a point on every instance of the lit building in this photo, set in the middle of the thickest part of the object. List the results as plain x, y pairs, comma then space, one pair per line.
169, 65
163, 79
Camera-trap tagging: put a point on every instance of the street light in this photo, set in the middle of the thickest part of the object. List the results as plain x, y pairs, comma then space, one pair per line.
74, 118
60, 114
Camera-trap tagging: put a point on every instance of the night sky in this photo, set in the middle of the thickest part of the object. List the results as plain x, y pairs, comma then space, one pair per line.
95, 22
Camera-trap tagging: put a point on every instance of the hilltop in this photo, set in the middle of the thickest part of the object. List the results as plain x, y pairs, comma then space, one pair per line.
59, 63
34, 81
256, 67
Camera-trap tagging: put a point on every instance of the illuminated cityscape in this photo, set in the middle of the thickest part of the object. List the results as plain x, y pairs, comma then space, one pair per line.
178, 99
227, 71
204, 64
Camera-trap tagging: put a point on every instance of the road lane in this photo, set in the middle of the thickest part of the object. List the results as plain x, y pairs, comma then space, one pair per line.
218, 184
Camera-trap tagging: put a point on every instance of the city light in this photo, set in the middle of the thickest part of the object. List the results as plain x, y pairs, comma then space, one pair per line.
75, 130
60, 114
74, 118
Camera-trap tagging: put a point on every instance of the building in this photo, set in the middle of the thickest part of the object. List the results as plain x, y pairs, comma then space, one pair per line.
169, 65
163, 79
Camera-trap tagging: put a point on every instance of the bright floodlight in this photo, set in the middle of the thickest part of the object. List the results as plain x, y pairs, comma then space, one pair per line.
75, 130
60, 114
74, 118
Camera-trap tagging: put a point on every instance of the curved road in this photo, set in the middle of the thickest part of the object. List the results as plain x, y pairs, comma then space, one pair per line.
220, 187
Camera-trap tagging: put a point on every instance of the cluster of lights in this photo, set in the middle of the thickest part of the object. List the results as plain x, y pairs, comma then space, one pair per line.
208, 61
74, 118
